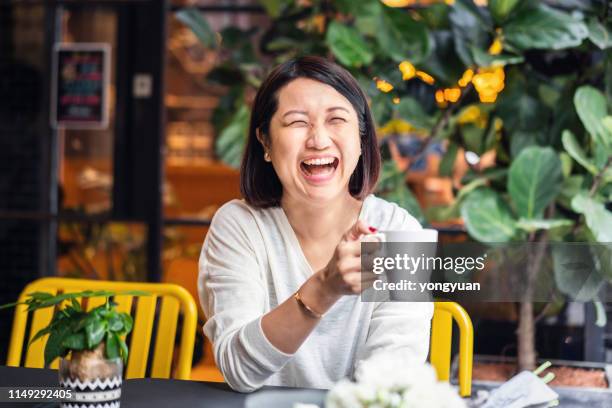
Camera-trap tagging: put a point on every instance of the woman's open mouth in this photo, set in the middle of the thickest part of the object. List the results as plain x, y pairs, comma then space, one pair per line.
319, 169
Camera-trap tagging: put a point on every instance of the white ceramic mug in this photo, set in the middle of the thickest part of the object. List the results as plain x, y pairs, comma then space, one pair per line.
392, 240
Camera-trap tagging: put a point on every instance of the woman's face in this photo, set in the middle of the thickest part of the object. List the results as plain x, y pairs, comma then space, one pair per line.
314, 141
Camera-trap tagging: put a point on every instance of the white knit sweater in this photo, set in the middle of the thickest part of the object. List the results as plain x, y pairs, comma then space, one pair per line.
251, 261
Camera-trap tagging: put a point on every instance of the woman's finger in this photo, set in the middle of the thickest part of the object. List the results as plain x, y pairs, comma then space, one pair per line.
357, 230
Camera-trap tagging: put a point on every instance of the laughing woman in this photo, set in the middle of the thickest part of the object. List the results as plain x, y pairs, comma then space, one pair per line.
280, 270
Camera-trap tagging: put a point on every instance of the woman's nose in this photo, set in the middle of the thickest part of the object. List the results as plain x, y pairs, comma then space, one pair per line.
318, 138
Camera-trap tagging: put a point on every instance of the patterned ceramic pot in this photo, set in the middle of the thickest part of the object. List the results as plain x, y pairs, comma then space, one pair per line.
94, 381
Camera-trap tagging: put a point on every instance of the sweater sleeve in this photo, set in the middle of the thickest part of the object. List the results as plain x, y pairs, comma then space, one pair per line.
400, 325
234, 298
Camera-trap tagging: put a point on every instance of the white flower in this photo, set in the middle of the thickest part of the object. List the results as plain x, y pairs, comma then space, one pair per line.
390, 380
390, 369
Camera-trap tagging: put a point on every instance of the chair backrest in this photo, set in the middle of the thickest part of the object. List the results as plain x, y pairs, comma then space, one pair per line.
441, 336
173, 300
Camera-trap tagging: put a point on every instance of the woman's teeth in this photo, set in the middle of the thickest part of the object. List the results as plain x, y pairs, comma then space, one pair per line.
318, 162
319, 166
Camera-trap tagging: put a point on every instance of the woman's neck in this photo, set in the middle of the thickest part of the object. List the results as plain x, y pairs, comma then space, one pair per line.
313, 222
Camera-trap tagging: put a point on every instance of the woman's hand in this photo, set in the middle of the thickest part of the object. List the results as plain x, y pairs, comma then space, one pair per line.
343, 275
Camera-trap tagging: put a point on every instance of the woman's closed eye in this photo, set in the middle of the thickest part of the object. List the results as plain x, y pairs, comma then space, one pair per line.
337, 120
298, 123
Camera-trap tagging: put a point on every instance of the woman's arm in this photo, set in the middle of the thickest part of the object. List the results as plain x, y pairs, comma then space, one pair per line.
249, 345
289, 324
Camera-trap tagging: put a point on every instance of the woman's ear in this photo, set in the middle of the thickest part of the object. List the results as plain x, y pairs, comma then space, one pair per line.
260, 137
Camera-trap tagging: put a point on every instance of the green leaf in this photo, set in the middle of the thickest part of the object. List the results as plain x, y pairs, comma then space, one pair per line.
600, 34
115, 322
75, 341
400, 37
470, 27
122, 347
192, 18
575, 272
112, 345
598, 218
392, 186
591, 108
573, 148
487, 217
501, 9
347, 45
230, 143
534, 180
412, 111
128, 323
94, 333
544, 28
54, 347
532, 225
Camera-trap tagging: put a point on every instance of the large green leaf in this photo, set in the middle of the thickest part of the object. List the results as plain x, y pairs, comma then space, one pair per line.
230, 142
487, 217
598, 218
591, 108
575, 272
543, 27
347, 45
94, 333
534, 180
400, 37
113, 349
501, 9
575, 150
192, 18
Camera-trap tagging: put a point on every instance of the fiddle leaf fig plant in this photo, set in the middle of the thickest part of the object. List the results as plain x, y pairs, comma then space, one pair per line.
74, 329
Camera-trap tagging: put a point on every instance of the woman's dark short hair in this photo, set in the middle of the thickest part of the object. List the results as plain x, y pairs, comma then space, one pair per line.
259, 183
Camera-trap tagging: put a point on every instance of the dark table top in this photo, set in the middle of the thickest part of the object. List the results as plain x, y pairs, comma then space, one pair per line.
152, 393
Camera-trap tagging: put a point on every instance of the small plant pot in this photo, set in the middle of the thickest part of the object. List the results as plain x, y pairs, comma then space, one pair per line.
94, 381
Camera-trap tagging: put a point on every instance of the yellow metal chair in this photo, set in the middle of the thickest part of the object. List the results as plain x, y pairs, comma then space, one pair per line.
441, 335
174, 299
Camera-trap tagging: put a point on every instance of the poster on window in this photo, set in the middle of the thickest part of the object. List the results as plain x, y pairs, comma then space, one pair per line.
81, 75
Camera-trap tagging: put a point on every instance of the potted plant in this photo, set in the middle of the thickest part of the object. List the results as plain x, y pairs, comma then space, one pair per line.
90, 344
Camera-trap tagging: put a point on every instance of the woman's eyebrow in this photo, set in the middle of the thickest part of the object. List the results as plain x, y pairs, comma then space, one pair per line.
306, 113
295, 111
336, 108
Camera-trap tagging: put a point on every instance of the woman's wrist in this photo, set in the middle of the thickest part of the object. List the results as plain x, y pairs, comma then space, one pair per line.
317, 293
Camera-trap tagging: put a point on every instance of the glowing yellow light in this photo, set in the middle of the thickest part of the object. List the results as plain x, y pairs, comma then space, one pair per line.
473, 114
398, 3
408, 70
449, 2
425, 77
383, 85
439, 96
496, 47
452, 94
396, 100
466, 78
489, 82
